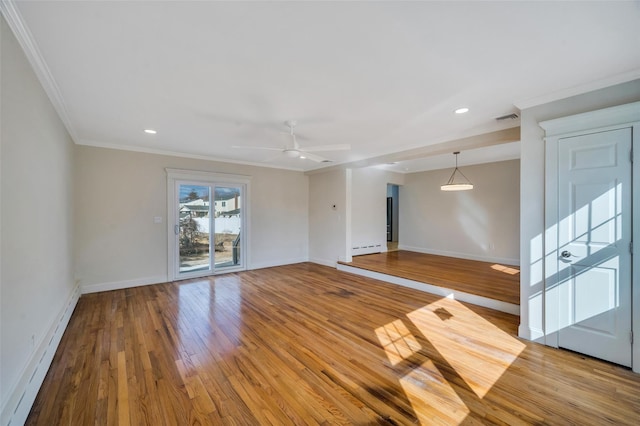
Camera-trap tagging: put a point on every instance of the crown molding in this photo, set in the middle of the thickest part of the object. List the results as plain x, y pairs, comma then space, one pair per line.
578, 90
156, 151
25, 39
626, 114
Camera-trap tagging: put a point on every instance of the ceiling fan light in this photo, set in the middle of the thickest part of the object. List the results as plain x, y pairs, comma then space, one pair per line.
292, 153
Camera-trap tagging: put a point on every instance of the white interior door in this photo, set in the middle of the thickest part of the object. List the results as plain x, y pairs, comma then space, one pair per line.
593, 248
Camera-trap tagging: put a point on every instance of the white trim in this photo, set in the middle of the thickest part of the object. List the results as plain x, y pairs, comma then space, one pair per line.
503, 260
171, 223
600, 120
20, 398
550, 308
119, 285
324, 262
2, 400
578, 90
635, 238
262, 265
529, 333
156, 151
486, 302
348, 215
210, 177
35, 58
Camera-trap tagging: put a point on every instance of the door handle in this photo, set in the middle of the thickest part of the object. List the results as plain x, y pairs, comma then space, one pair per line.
176, 229
566, 254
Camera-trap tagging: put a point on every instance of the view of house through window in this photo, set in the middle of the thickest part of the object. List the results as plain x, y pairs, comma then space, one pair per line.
227, 226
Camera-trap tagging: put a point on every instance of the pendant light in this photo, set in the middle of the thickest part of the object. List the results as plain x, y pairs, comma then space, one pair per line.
458, 181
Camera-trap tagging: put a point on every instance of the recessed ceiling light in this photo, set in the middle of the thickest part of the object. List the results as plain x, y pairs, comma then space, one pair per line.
303, 157
461, 110
150, 131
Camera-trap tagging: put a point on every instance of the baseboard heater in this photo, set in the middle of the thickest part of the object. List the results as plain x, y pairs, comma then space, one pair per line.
366, 249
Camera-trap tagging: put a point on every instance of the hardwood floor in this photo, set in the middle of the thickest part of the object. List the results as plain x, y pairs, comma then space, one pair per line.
495, 281
307, 344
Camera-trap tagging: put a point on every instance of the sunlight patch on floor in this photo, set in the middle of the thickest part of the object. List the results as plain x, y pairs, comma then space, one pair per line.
397, 341
479, 351
506, 269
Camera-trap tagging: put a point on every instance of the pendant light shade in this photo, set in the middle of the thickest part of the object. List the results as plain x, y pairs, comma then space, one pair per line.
458, 181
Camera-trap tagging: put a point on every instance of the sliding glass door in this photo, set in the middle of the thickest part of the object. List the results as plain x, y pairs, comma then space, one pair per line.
208, 221
194, 228
227, 212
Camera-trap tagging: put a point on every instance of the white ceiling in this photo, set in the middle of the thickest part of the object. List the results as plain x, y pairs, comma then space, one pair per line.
384, 77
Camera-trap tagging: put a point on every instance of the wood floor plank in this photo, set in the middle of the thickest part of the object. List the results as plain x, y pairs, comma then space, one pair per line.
307, 344
488, 279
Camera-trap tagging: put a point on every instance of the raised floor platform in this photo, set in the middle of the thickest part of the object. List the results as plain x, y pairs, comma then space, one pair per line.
487, 284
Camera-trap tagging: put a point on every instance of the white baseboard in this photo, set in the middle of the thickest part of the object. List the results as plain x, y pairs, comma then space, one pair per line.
533, 334
329, 263
261, 265
24, 392
138, 282
486, 302
118, 285
503, 260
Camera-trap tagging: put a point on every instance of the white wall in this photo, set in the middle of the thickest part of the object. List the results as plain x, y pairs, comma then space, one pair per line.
37, 288
369, 205
120, 192
532, 194
481, 224
329, 235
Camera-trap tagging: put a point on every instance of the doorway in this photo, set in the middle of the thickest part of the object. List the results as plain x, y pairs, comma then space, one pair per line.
393, 211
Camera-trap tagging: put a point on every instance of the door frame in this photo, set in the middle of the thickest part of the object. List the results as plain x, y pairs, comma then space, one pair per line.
619, 117
214, 179
389, 219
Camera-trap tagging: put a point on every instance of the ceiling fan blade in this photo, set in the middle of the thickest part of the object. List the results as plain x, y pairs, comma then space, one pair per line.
272, 158
264, 148
314, 157
319, 148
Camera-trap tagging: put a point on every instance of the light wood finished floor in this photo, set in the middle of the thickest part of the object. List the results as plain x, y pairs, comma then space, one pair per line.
307, 344
492, 280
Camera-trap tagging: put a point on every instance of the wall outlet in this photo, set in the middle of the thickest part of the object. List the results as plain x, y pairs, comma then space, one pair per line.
157, 219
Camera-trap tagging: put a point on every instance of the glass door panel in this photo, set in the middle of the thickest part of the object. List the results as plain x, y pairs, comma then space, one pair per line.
227, 210
194, 228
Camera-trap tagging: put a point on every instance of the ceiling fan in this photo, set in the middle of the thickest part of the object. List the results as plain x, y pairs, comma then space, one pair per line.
294, 150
